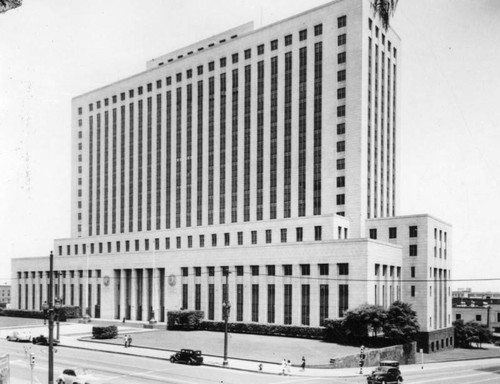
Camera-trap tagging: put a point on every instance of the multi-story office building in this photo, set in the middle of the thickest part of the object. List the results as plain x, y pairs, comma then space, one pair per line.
270, 153
5, 294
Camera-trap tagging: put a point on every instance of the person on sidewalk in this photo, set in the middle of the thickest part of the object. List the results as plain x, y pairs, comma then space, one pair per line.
283, 367
303, 365
125, 341
288, 368
129, 341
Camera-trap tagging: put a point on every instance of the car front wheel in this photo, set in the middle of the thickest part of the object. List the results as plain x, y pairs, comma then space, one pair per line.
172, 360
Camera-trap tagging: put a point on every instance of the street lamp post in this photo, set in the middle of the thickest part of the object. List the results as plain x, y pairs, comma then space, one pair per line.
57, 308
51, 321
226, 307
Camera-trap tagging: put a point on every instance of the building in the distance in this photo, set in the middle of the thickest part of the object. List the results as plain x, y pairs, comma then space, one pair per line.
270, 153
483, 310
4, 294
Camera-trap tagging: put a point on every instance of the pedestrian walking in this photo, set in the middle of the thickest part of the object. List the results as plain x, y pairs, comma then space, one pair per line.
283, 367
129, 341
125, 341
288, 367
303, 365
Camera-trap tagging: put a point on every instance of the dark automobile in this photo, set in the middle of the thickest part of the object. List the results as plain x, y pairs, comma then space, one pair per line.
42, 340
187, 356
385, 375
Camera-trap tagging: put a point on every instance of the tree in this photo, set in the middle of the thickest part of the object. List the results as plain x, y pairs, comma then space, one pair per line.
401, 324
469, 333
385, 9
359, 321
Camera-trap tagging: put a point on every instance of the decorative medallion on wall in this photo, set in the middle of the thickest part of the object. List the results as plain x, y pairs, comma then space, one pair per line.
172, 280
106, 280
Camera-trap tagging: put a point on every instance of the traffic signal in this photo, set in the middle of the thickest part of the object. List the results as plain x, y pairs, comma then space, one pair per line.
32, 359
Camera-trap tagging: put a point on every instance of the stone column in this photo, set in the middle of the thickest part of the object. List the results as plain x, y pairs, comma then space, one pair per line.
133, 294
123, 293
145, 291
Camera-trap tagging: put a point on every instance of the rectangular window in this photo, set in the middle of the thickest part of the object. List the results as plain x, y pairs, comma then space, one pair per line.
341, 111
248, 53
341, 39
341, 146
190, 241
412, 271
303, 35
226, 239
240, 238
197, 297
222, 62
239, 302
255, 302
306, 304
260, 49
343, 299
340, 164
287, 269
413, 249
340, 128
340, 93
305, 269
287, 312
202, 241
214, 240
342, 21
373, 233
184, 296
412, 291
271, 299
323, 303
413, 229
343, 268
318, 29
340, 199
341, 75
317, 232
340, 181
393, 232
299, 233
283, 235
288, 40
271, 270
235, 58
211, 301
324, 269
211, 271
200, 69
178, 242
254, 237
239, 270
269, 236
255, 270
274, 45
341, 58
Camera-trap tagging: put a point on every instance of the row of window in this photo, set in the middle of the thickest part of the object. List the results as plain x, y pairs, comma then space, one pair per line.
393, 232
255, 270
288, 39
56, 274
299, 236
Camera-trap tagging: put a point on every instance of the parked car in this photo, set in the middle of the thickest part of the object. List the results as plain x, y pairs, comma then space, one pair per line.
76, 376
385, 375
187, 356
42, 340
19, 336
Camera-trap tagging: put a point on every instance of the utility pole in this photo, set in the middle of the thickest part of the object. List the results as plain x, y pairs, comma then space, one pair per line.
51, 320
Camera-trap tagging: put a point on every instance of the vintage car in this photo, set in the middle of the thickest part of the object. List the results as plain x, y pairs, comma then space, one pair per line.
19, 336
385, 374
187, 356
76, 376
43, 340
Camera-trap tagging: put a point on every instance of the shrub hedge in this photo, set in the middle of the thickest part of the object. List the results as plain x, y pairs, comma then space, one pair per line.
66, 312
265, 329
109, 332
184, 320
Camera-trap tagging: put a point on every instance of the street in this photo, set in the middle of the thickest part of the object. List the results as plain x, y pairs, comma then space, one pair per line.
115, 368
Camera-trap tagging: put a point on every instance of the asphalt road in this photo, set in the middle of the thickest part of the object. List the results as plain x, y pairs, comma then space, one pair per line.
110, 368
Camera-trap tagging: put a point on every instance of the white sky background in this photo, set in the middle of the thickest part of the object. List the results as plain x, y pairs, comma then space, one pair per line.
53, 50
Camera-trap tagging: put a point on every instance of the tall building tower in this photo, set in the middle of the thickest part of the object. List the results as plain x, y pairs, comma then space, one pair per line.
272, 153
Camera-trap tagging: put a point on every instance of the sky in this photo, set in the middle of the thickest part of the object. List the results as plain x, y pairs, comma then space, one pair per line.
54, 50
